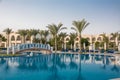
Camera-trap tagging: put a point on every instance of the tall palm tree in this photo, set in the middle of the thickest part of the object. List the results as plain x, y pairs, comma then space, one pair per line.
62, 36
7, 31
23, 33
1, 36
118, 37
105, 40
34, 33
29, 34
4, 39
45, 34
0, 39
72, 38
79, 26
114, 36
41, 32
54, 30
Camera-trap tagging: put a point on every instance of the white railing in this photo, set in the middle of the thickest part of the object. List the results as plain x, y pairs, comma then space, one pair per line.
21, 47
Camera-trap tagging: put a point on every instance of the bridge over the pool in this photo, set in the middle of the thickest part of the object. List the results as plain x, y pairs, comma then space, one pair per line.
43, 48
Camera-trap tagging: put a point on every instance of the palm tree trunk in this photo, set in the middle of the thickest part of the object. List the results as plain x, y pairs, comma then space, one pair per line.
114, 44
45, 40
62, 45
80, 44
40, 39
23, 39
8, 40
55, 44
107, 46
0, 42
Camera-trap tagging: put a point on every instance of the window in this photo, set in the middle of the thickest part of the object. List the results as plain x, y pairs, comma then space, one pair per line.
13, 38
111, 38
88, 38
93, 39
99, 38
18, 38
27, 38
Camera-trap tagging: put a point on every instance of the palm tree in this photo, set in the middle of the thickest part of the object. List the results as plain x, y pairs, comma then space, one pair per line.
45, 34
54, 30
105, 39
23, 33
79, 26
118, 37
114, 36
62, 36
97, 44
41, 32
72, 38
29, 34
4, 39
84, 41
34, 33
8, 31
0, 39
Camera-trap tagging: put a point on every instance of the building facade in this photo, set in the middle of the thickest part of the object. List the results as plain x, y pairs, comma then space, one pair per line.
15, 39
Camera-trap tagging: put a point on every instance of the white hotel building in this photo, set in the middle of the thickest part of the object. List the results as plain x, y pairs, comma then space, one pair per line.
15, 39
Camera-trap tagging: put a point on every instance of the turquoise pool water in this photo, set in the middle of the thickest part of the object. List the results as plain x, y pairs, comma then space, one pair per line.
59, 67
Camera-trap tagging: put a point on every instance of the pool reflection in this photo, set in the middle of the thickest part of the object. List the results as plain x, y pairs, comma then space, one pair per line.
61, 66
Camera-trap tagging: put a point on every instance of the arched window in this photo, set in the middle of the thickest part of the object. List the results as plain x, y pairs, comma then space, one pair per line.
88, 38
13, 38
93, 39
27, 38
111, 38
18, 38
77, 39
99, 39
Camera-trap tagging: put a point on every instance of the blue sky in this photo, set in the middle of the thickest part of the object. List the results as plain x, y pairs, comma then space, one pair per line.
103, 15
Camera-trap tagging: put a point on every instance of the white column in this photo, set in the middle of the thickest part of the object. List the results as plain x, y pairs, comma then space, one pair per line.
74, 46
71, 46
51, 48
94, 46
7, 50
65, 46
91, 47
18, 47
62, 46
116, 41
105, 46
119, 47
84, 45
48, 46
31, 39
13, 50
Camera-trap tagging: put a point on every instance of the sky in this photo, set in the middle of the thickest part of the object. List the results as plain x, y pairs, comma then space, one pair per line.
103, 15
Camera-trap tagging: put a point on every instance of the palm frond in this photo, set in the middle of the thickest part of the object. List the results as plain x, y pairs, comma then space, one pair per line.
62, 29
75, 29
80, 25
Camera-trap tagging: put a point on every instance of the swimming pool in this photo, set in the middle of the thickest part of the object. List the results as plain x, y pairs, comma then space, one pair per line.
59, 67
